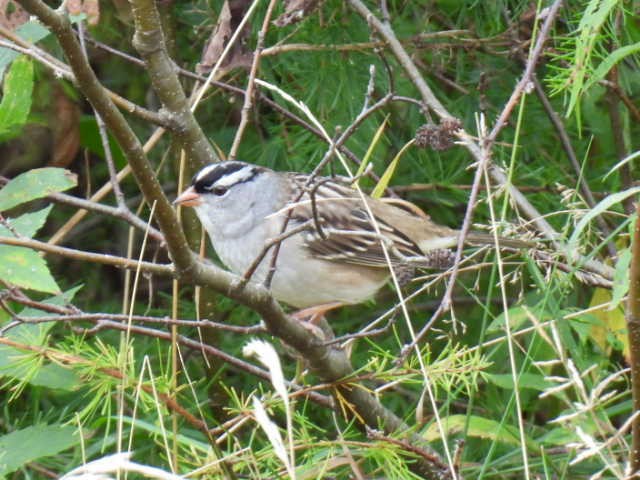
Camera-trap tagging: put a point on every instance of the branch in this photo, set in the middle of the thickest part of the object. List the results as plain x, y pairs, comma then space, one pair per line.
61, 69
403, 57
122, 132
251, 85
68, 359
149, 41
211, 350
633, 326
120, 262
117, 212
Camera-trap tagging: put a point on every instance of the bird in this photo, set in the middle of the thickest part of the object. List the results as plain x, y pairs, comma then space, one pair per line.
335, 245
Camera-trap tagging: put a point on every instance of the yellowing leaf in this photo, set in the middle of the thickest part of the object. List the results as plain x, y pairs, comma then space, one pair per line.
372, 146
388, 173
36, 183
613, 323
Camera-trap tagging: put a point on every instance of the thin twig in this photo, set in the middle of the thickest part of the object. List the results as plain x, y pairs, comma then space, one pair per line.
251, 86
484, 156
269, 245
69, 316
210, 350
403, 57
125, 215
120, 262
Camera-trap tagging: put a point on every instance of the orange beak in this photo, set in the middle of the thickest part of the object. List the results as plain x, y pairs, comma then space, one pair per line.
188, 198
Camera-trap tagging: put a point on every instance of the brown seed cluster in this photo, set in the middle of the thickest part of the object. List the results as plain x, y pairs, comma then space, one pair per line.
437, 137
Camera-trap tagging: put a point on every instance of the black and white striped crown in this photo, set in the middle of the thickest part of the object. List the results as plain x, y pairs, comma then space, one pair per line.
224, 175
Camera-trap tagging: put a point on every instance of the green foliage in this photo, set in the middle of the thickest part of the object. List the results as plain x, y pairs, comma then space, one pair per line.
32, 443
25, 268
586, 56
36, 183
22, 266
31, 31
21, 368
16, 98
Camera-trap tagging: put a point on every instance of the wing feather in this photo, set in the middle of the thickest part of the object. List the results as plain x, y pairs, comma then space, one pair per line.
347, 232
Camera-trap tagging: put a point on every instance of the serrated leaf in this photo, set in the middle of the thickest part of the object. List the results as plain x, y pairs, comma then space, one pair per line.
16, 98
23, 446
26, 225
23, 267
36, 183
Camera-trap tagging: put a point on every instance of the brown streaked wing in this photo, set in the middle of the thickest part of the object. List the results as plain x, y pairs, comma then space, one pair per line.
347, 232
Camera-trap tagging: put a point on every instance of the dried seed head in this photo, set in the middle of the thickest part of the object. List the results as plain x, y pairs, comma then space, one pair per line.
437, 137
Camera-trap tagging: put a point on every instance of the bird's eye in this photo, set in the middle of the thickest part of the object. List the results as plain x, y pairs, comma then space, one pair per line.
219, 190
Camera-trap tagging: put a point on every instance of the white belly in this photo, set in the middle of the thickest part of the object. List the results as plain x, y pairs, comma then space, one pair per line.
304, 282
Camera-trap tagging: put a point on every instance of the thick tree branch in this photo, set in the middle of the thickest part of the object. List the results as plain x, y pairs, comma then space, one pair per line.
149, 41
122, 132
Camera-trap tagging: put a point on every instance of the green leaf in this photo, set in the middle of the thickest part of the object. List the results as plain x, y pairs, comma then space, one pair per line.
621, 278
16, 98
479, 427
25, 268
32, 32
520, 314
525, 380
56, 377
91, 140
610, 61
26, 225
23, 446
36, 183
601, 207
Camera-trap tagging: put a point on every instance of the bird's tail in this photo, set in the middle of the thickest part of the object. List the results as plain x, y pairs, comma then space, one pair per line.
481, 238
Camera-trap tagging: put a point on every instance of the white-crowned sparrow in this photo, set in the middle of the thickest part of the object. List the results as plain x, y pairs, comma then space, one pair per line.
338, 255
